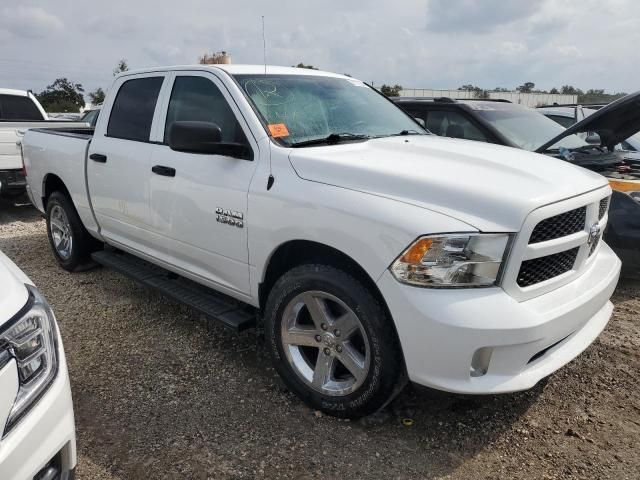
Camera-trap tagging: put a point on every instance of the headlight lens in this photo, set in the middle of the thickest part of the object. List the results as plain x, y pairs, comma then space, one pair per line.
31, 341
453, 260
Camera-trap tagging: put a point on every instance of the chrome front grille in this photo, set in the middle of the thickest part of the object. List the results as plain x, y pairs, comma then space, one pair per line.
559, 225
556, 244
543, 268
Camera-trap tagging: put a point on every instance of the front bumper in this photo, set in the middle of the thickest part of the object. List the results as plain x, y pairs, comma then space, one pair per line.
520, 343
45, 436
12, 182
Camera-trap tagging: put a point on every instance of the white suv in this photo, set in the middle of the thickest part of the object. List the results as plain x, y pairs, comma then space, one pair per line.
36, 412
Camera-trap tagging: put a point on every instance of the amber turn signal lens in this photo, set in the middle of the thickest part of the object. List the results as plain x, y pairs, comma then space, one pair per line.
415, 254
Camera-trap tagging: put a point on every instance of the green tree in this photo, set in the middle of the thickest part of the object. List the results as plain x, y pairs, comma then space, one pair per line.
62, 96
554, 90
122, 66
391, 91
570, 90
527, 87
302, 65
97, 96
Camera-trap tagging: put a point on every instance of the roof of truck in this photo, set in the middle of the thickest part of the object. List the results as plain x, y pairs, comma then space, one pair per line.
11, 91
239, 70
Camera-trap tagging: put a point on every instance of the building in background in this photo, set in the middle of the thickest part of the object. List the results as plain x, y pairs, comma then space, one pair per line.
526, 99
215, 58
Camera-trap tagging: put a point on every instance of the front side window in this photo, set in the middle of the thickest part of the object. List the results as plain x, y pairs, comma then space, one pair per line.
19, 108
198, 99
453, 124
132, 112
301, 108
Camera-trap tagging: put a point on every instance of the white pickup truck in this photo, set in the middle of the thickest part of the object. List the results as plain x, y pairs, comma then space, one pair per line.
19, 111
370, 251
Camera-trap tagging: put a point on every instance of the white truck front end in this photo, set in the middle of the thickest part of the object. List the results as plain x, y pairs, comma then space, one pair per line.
549, 303
36, 412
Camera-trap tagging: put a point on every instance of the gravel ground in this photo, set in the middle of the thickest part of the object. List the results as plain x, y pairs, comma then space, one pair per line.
161, 393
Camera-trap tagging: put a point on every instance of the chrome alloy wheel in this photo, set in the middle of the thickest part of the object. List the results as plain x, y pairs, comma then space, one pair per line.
325, 343
61, 232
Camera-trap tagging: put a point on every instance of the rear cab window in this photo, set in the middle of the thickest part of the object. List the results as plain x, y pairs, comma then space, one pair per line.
19, 108
133, 109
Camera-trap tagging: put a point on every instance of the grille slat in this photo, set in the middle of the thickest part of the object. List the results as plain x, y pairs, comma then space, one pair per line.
604, 205
540, 269
559, 225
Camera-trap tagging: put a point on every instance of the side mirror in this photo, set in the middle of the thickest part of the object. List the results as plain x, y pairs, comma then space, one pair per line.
204, 138
421, 122
593, 139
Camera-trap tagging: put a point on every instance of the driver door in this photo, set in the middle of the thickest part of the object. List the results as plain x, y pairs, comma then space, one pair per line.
198, 211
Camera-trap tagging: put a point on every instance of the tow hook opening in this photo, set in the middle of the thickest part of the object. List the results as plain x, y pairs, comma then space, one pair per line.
480, 362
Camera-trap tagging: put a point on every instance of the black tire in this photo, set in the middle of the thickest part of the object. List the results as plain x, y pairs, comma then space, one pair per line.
83, 244
386, 372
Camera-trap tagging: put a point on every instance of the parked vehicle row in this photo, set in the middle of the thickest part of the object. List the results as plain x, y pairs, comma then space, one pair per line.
505, 123
19, 110
371, 251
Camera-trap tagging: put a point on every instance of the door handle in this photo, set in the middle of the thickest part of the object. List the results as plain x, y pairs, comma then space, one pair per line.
98, 157
164, 171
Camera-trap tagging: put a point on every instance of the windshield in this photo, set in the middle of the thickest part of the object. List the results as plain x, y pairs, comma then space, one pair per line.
302, 108
525, 127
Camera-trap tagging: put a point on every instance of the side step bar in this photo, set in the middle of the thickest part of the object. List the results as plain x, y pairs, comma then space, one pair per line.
232, 313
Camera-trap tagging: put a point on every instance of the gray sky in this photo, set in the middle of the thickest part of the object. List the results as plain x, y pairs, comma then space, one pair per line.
416, 43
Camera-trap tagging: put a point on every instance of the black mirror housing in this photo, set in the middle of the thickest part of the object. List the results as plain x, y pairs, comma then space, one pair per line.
204, 138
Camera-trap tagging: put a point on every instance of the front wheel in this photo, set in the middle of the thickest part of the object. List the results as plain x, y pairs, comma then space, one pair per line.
332, 342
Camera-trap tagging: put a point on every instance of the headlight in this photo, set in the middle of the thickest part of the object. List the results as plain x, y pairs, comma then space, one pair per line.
30, 339
453, 260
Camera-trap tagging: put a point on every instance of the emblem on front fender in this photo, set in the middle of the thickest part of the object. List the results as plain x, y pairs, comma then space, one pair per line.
229, 217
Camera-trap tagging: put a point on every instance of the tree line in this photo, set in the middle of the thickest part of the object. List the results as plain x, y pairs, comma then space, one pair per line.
585, 97
66, 96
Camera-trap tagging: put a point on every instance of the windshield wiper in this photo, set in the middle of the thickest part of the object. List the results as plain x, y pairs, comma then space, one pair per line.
402, 133
331, 139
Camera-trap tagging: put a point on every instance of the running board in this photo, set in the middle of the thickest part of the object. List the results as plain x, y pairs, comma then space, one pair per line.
217, 306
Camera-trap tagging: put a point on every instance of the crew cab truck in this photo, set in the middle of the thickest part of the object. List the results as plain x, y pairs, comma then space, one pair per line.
371, 251
37, 429
19, 110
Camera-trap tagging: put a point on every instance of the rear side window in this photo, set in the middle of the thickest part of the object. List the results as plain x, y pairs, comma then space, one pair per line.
566, 122
133, 109
198, 99
16, 107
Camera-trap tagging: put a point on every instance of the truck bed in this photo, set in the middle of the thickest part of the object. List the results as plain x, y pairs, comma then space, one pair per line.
59, 152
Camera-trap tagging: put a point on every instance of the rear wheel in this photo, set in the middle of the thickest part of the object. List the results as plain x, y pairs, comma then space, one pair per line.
332, 342
70, 242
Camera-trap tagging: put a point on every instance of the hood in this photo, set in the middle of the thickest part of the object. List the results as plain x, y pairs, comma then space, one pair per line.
614, 123
13, 294
490, 187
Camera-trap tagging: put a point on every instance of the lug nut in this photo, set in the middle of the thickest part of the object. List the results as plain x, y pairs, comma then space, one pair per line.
336, 333
323, 326
318, 338
338, 348
327, 351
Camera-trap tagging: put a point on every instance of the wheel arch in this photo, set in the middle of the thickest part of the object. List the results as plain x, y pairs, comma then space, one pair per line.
52, 183
299, 252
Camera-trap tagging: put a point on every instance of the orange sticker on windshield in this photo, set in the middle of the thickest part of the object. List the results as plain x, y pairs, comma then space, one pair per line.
278, 130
